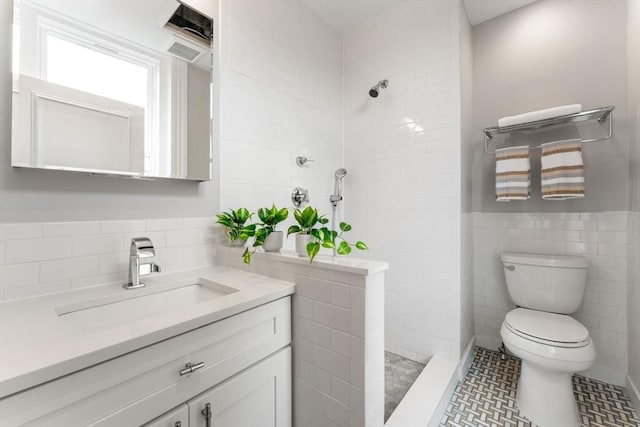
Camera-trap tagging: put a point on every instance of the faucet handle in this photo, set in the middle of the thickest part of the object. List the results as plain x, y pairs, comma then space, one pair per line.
148, 268
142, 247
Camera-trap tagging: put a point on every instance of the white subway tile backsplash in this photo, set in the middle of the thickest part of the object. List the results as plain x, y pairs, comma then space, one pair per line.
65, 229
15, 275
25, 230
165, 224
114, 263
98, 244
38, 258
68, 268
122, 226
27, 250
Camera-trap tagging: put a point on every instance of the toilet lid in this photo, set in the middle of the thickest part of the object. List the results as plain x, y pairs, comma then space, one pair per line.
546, 327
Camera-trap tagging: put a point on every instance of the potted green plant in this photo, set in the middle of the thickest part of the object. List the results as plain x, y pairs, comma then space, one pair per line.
234, 226
266, 234
320, 236
308, 220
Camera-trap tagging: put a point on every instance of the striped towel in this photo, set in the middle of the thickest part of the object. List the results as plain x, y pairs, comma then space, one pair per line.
512, 174
562, 170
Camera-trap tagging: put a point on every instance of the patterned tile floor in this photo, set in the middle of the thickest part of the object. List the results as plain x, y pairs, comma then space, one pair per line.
487, 397
399, 374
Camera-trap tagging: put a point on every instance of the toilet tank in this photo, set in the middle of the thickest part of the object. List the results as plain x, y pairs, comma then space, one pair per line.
553, 283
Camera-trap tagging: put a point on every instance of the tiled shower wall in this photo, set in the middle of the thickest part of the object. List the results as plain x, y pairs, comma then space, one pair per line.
40, 258
402, 150
601, 237
281, 97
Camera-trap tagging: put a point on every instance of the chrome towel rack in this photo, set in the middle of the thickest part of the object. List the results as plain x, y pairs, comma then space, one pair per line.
599, 114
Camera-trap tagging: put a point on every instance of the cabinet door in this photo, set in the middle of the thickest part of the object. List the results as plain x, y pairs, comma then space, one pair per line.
257, 397
178, 417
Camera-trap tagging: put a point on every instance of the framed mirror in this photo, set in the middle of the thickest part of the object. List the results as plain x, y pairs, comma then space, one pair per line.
112, 87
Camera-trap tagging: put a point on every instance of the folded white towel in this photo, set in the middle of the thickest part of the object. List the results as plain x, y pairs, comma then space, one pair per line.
539, 115
512, 174
562, 170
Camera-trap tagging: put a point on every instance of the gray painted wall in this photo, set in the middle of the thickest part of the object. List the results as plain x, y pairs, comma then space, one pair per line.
633, 53
31, 195
553, 52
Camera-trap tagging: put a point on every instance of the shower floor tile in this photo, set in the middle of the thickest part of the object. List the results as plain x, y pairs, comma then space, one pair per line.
487, 397
399, 374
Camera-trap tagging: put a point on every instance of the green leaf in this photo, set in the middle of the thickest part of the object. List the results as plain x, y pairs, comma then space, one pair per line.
361, 245
317, 233
242, 215
345, 227
261, 234
225, 220
293, 229
281, 215
323, 220
343, 248
312, 250
247, 232
246, 256
328, 244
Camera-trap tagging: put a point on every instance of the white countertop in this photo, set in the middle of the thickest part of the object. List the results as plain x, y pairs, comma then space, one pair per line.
38, 345
344, 264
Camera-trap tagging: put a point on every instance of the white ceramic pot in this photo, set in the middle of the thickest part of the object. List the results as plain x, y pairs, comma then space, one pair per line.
273, 242
237, 243
301, 243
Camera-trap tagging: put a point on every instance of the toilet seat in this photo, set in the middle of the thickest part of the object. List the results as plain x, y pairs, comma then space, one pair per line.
551, 329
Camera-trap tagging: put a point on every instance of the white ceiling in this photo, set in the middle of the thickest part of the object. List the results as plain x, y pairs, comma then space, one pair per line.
483, 10
344, 15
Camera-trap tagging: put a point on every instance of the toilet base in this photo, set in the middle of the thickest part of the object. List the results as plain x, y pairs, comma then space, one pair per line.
546, 397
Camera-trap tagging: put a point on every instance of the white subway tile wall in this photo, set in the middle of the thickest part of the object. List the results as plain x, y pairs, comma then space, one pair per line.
338, 341
40, 258
402, 150
281, 68
600, 237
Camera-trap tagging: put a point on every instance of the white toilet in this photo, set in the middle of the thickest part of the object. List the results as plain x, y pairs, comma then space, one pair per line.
552, 345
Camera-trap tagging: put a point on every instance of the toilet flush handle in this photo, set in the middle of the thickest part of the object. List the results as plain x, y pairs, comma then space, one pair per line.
510, 267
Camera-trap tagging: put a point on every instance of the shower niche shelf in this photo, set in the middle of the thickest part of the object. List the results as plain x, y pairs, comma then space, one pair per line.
599, 114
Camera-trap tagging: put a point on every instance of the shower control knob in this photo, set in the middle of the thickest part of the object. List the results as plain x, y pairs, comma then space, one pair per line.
299, 197
301, 160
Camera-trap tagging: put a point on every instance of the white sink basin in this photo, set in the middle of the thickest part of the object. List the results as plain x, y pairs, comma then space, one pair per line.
131, 305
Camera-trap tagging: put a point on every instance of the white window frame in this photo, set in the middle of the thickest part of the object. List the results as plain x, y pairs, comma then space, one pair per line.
105, 44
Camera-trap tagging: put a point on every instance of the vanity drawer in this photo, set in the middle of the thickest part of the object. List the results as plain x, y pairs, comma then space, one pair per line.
150, 379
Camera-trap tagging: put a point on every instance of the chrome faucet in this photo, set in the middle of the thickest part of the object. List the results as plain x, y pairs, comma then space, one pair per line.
141, 247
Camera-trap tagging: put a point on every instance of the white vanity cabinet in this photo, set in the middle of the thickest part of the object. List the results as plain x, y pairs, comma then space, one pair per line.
241, 365
178, 417
259, 396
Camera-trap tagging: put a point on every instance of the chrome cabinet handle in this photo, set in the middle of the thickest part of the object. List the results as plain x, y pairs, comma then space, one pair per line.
206, 413
190, 367
510, 267
177, 424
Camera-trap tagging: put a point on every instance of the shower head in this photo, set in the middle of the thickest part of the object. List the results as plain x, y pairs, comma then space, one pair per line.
340, 173
375, 91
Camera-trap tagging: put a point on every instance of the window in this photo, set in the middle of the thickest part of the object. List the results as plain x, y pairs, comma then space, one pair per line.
91, 70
